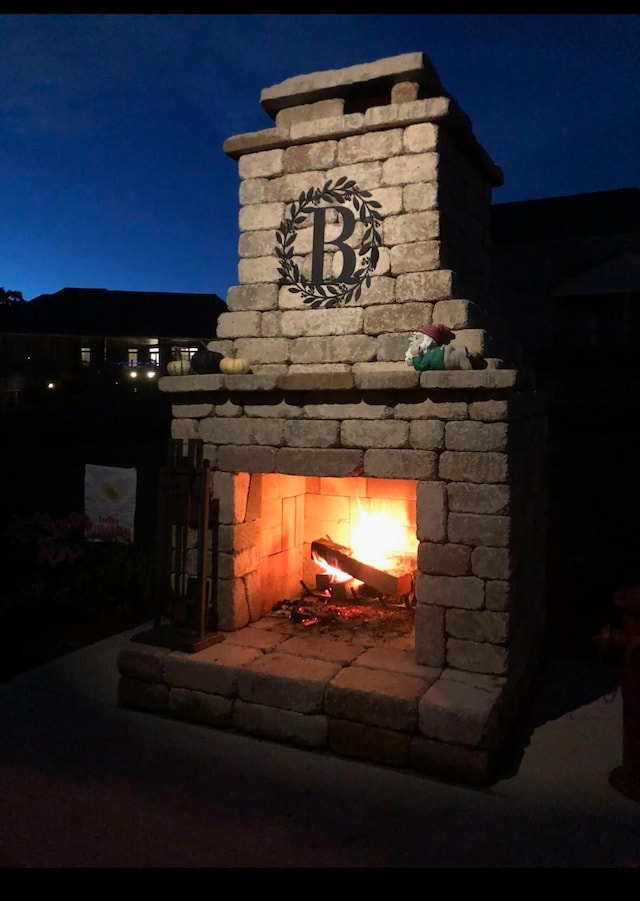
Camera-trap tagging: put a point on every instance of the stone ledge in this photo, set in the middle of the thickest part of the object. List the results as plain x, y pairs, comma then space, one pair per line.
363, 376
329, 84
251, 142
447, 724
475, 378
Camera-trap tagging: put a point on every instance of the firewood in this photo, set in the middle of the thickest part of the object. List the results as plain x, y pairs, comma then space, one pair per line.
339, 557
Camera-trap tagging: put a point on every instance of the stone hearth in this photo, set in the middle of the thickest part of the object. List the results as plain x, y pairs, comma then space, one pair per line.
364, 215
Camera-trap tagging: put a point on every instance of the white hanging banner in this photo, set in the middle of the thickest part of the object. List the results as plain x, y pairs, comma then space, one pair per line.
110, 502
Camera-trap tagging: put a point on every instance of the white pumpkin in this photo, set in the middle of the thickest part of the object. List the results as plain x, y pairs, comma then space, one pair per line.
234, 365
180, 364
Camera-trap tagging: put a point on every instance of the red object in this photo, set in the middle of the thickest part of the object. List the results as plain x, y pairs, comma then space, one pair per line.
441, 334
626, 778
625, 643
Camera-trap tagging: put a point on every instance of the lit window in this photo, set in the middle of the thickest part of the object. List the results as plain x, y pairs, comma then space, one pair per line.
133, 355
85, 356
154, 355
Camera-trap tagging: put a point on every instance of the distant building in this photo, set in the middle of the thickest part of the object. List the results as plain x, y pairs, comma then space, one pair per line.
88, 333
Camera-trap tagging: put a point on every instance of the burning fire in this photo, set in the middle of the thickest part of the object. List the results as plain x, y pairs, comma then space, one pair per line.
378, 538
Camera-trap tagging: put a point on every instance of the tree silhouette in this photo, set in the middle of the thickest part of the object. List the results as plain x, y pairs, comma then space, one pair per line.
11, 305
9, 298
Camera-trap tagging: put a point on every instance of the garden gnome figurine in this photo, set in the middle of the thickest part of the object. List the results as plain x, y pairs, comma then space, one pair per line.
429, 348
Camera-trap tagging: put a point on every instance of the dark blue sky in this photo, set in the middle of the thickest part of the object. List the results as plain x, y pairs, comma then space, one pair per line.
111, 126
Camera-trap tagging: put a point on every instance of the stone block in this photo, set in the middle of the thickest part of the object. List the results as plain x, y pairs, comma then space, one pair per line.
375, 145
263, 164
201, 707
423, 225
323, 462
311, 433
457, 712
142, 662
479, 529
381, 375
402, 464
143, 695
396, 661
429, 636
235, 325
467, 466
236, 458
476, 436
389, 318
491, 562
477, 657
415, 257
286, 726
427, 434
410, 168
451, 762
306, 323
475, 498
444, 559
310, 157
195, 671
477, 625
466, 592
330, 649
264, 140
431, 510
326, 349
375, 697
307, 112
287, 682
408, 113
370, 433
329, 128
364, 742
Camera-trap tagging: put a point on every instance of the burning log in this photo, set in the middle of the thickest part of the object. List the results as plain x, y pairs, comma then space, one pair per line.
339, 557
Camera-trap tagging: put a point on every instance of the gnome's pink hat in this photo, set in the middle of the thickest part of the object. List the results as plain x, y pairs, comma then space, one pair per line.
441, 334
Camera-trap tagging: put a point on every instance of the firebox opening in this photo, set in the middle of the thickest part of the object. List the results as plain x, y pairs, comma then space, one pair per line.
350, 540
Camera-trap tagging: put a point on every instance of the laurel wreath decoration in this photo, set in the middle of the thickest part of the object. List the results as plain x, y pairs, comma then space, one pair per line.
330, 294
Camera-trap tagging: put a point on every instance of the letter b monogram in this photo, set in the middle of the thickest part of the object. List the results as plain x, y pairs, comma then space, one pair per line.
319, 241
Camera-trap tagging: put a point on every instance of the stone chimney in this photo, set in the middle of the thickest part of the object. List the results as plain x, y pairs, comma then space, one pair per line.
396, 159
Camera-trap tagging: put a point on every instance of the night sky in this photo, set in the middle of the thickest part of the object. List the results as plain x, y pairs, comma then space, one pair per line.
112, 126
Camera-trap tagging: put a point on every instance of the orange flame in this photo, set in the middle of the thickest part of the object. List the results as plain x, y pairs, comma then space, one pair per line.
378, 538
335, 575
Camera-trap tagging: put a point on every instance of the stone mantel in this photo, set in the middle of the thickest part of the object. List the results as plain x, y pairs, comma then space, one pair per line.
361, 377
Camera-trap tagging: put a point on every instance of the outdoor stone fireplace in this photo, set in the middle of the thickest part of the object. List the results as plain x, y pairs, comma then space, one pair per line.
364, 215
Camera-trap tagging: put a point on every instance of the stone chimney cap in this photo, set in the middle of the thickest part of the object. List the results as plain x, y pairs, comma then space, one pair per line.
353, 82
